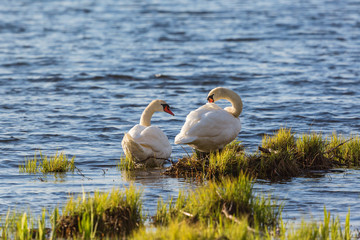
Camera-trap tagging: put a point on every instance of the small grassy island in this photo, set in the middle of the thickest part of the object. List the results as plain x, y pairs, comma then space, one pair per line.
58, 163
279, 157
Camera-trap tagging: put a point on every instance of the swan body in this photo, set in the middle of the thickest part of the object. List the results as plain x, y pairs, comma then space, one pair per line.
146, 143
210, 127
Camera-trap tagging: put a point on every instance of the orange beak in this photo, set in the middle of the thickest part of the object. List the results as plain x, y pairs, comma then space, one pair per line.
167, 109
210, 99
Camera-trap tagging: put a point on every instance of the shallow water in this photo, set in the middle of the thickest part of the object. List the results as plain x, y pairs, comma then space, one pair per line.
75, 76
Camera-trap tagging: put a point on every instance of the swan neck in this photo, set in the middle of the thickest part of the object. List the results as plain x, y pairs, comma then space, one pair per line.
236, 102
145, 119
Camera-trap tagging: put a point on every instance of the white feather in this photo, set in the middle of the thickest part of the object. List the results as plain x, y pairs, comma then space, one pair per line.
145, 142
209, 128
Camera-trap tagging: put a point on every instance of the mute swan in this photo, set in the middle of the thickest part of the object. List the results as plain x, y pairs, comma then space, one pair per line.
210, 127
148, 144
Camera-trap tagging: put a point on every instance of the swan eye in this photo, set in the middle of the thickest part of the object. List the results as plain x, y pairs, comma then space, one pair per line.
211, 98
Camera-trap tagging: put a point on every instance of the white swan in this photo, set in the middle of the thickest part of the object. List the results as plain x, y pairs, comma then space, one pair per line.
210, 127
147, 143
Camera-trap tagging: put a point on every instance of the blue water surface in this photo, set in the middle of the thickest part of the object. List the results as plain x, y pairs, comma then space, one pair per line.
76, 75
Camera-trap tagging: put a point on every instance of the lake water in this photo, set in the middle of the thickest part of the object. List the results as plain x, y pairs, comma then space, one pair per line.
76, 75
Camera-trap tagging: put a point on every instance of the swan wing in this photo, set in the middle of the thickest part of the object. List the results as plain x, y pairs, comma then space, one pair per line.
209, 126
207, 121
214, 123
153, 140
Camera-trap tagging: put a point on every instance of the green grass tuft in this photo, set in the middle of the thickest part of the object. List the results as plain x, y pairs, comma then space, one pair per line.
229, 161
114, 213
126, 164
58, 163
310, 150
218, 200
328, 228
351, 152
277, 159
23, 226
185, 231
282, 140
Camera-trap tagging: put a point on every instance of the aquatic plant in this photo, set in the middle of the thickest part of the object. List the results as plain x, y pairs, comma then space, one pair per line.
231, 198
57, 163
114, 213
126, 163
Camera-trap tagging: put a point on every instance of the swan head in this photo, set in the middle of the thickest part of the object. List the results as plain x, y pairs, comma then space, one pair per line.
216, 94
225, 93
161, 106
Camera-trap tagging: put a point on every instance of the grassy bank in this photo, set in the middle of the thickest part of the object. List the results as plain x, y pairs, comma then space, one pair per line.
227, 209
280, 156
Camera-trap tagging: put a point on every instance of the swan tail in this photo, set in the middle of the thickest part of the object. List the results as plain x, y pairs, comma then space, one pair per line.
180, 139
132, 148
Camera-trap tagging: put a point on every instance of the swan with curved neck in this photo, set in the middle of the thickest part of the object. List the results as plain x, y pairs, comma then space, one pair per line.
210, 127
227, 94
145, 143
154, 106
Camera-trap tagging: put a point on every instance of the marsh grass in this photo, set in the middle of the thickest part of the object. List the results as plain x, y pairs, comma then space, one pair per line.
345, 152
329, 227
230, 161
184, 231
58, 163
311, 152
232, 195
114, 213
281, 156
229, 197
351, 152
23, 226
103, 215
335, 148
277, 159
126, 164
